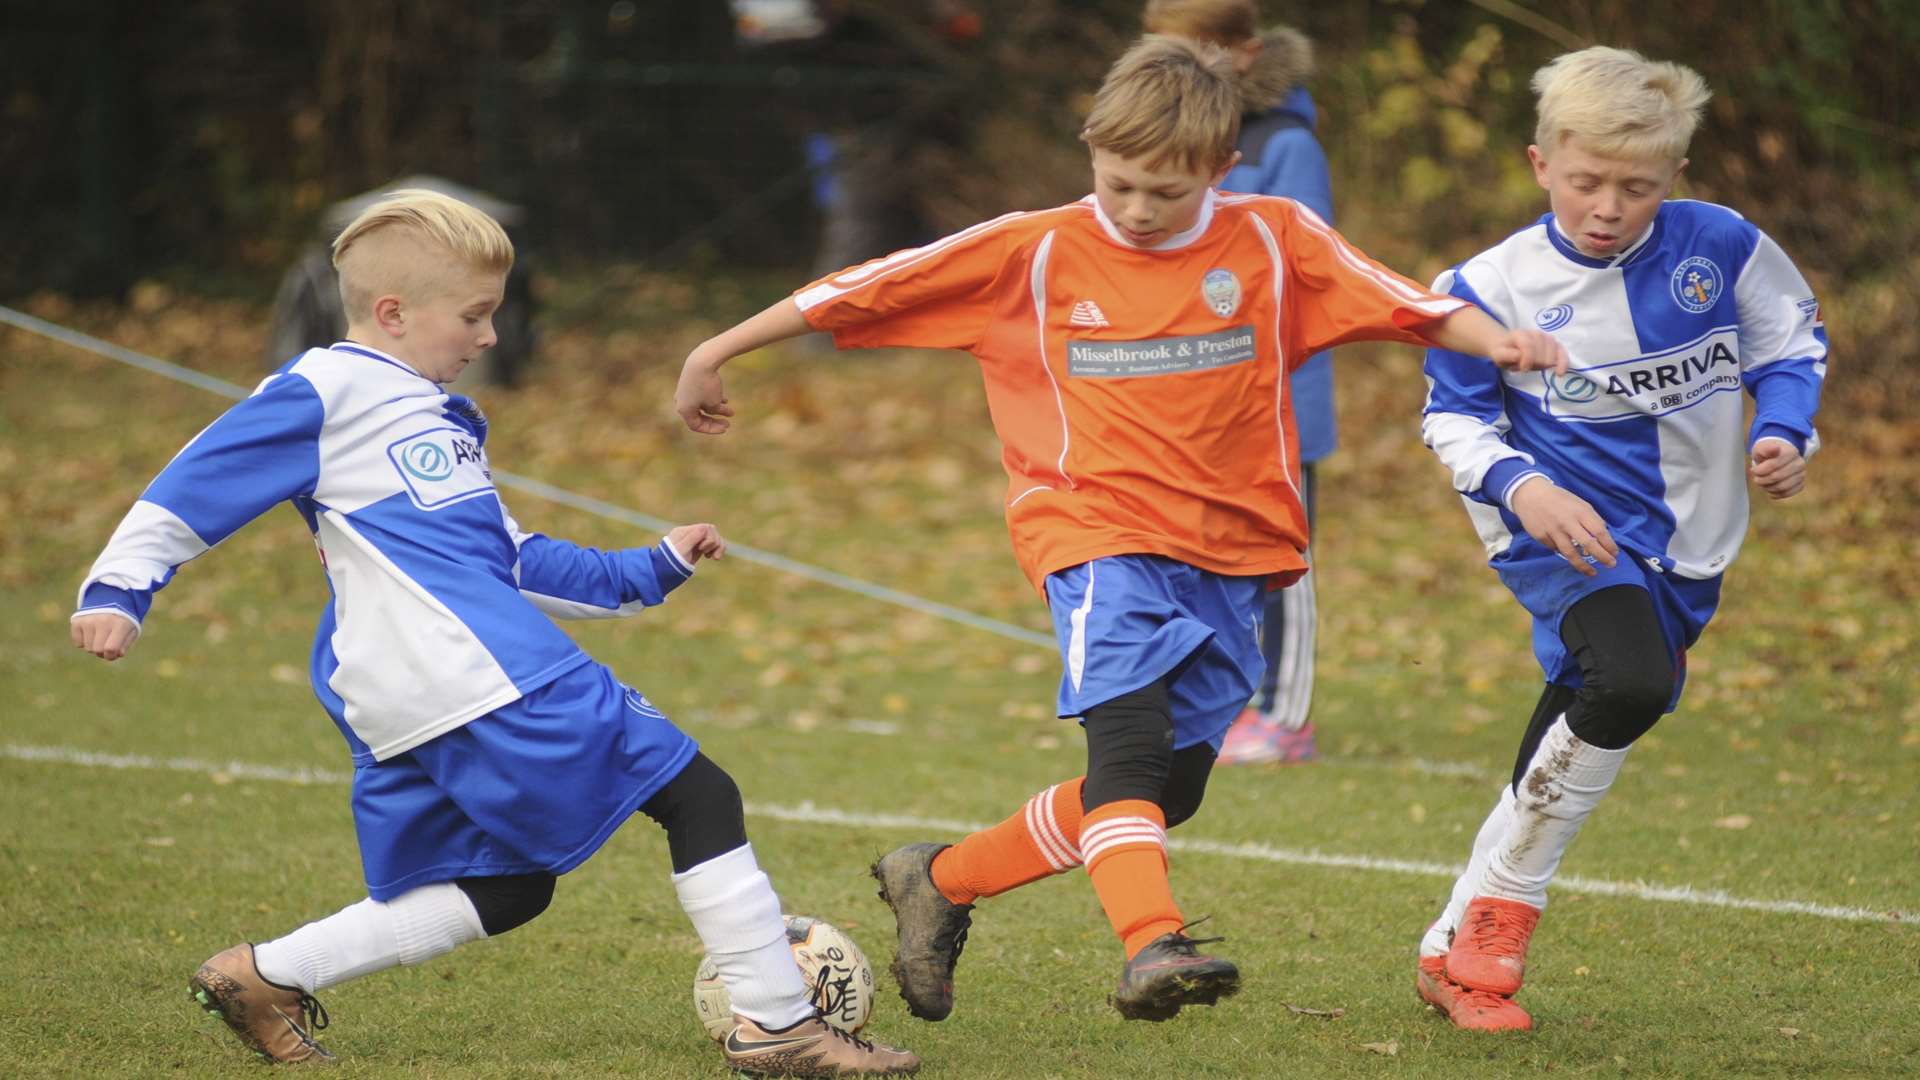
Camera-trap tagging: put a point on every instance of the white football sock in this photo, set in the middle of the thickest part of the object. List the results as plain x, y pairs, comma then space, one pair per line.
1439, 937
737, 915
1560, 787
371, 936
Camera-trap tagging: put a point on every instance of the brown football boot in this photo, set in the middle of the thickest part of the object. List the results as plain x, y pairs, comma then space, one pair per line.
272, 1020
811, 1047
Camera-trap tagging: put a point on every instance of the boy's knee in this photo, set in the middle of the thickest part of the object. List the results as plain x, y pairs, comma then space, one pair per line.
1186, 783
509, 900
702, 812
1129, 748
1613, 712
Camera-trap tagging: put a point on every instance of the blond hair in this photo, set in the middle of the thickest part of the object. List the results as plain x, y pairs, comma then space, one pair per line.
413, 243
1168, 100
1620, 104
1223, 22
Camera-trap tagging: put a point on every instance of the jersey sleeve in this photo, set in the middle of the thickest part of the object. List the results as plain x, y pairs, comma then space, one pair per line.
1465, 421
262, 451
940, 296
569, 581
1783, 346
1341, 295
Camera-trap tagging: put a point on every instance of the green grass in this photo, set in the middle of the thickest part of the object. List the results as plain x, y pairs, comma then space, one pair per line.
1789, 774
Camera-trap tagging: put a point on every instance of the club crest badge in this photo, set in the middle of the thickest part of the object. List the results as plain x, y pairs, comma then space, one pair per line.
1696, 284
1221, 291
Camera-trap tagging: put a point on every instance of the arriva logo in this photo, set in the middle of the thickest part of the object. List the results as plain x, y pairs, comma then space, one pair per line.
428, 461
1573, 386
1553, 318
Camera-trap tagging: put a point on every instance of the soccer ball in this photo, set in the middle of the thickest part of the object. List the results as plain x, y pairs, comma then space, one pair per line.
838, 977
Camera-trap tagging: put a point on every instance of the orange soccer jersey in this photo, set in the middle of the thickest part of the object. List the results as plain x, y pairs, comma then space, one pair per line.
1138, 394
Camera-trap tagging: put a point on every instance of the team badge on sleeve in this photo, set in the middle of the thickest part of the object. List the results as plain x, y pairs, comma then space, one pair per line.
1222, 291
1696, 284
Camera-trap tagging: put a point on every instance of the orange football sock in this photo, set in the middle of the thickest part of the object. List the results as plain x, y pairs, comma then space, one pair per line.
1041, 840
1125, 845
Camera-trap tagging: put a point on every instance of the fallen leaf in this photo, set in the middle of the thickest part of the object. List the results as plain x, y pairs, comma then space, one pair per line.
160, 841
1583, 970
1734, 821
1389, 1048
1324, 1014
1791, 1033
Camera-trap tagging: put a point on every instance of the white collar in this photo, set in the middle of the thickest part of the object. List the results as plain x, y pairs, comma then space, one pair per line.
1176, 241
1610, 261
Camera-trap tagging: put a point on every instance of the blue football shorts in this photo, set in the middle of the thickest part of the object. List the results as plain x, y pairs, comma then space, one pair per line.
1124, 621
1546, 585
536, 785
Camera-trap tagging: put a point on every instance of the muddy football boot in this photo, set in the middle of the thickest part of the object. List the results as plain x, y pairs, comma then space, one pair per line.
1171, 973
932, 929
1490, 948
273, 1021
811, 1047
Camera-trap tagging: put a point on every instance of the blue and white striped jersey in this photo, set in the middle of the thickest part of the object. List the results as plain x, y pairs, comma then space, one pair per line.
1647, 425
437, 593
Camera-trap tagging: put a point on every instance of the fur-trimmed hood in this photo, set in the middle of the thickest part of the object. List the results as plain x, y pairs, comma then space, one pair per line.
1283, 65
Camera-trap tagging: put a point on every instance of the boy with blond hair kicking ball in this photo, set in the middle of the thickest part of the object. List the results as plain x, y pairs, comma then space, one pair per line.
1611, 498
490, 753
1136, 346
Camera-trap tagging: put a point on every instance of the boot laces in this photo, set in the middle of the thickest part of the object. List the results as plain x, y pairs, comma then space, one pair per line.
1184, 944
951, 938
313, 1013
838, 1034
1500, 931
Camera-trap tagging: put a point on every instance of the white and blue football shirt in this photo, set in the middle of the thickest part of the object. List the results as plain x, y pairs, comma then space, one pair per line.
1648, 424
438, 596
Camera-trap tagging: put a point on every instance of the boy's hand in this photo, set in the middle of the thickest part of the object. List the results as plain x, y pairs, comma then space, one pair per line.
105, 635
1530, 350
700, 399
1778, 468
695, 542
1564, 522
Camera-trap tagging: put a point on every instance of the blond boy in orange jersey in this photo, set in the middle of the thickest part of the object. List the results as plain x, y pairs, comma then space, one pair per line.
1135, 346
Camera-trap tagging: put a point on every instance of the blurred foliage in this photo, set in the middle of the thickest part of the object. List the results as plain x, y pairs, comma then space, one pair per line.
204, 138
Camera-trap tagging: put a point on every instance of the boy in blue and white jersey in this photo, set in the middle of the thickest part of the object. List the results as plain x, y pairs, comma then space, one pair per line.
1611, 499
490, 753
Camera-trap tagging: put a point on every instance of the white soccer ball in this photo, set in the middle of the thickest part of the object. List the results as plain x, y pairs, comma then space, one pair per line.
839, 979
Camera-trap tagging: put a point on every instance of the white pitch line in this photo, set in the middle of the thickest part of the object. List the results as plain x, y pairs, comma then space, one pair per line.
809, 814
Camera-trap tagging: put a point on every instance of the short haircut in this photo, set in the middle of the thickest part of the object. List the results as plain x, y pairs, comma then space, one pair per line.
412, 243
1223, 22
1168, 101
1621, 104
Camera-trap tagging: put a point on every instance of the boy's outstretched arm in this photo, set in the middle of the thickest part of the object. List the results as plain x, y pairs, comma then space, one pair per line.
254, 456
1472, 331
566, 580
700, 399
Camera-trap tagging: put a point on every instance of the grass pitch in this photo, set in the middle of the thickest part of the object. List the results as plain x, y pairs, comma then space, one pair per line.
1789, 775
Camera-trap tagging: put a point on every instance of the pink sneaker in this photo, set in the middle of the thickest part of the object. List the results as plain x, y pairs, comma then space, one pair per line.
1295, 744
1249, 741
1253, 739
